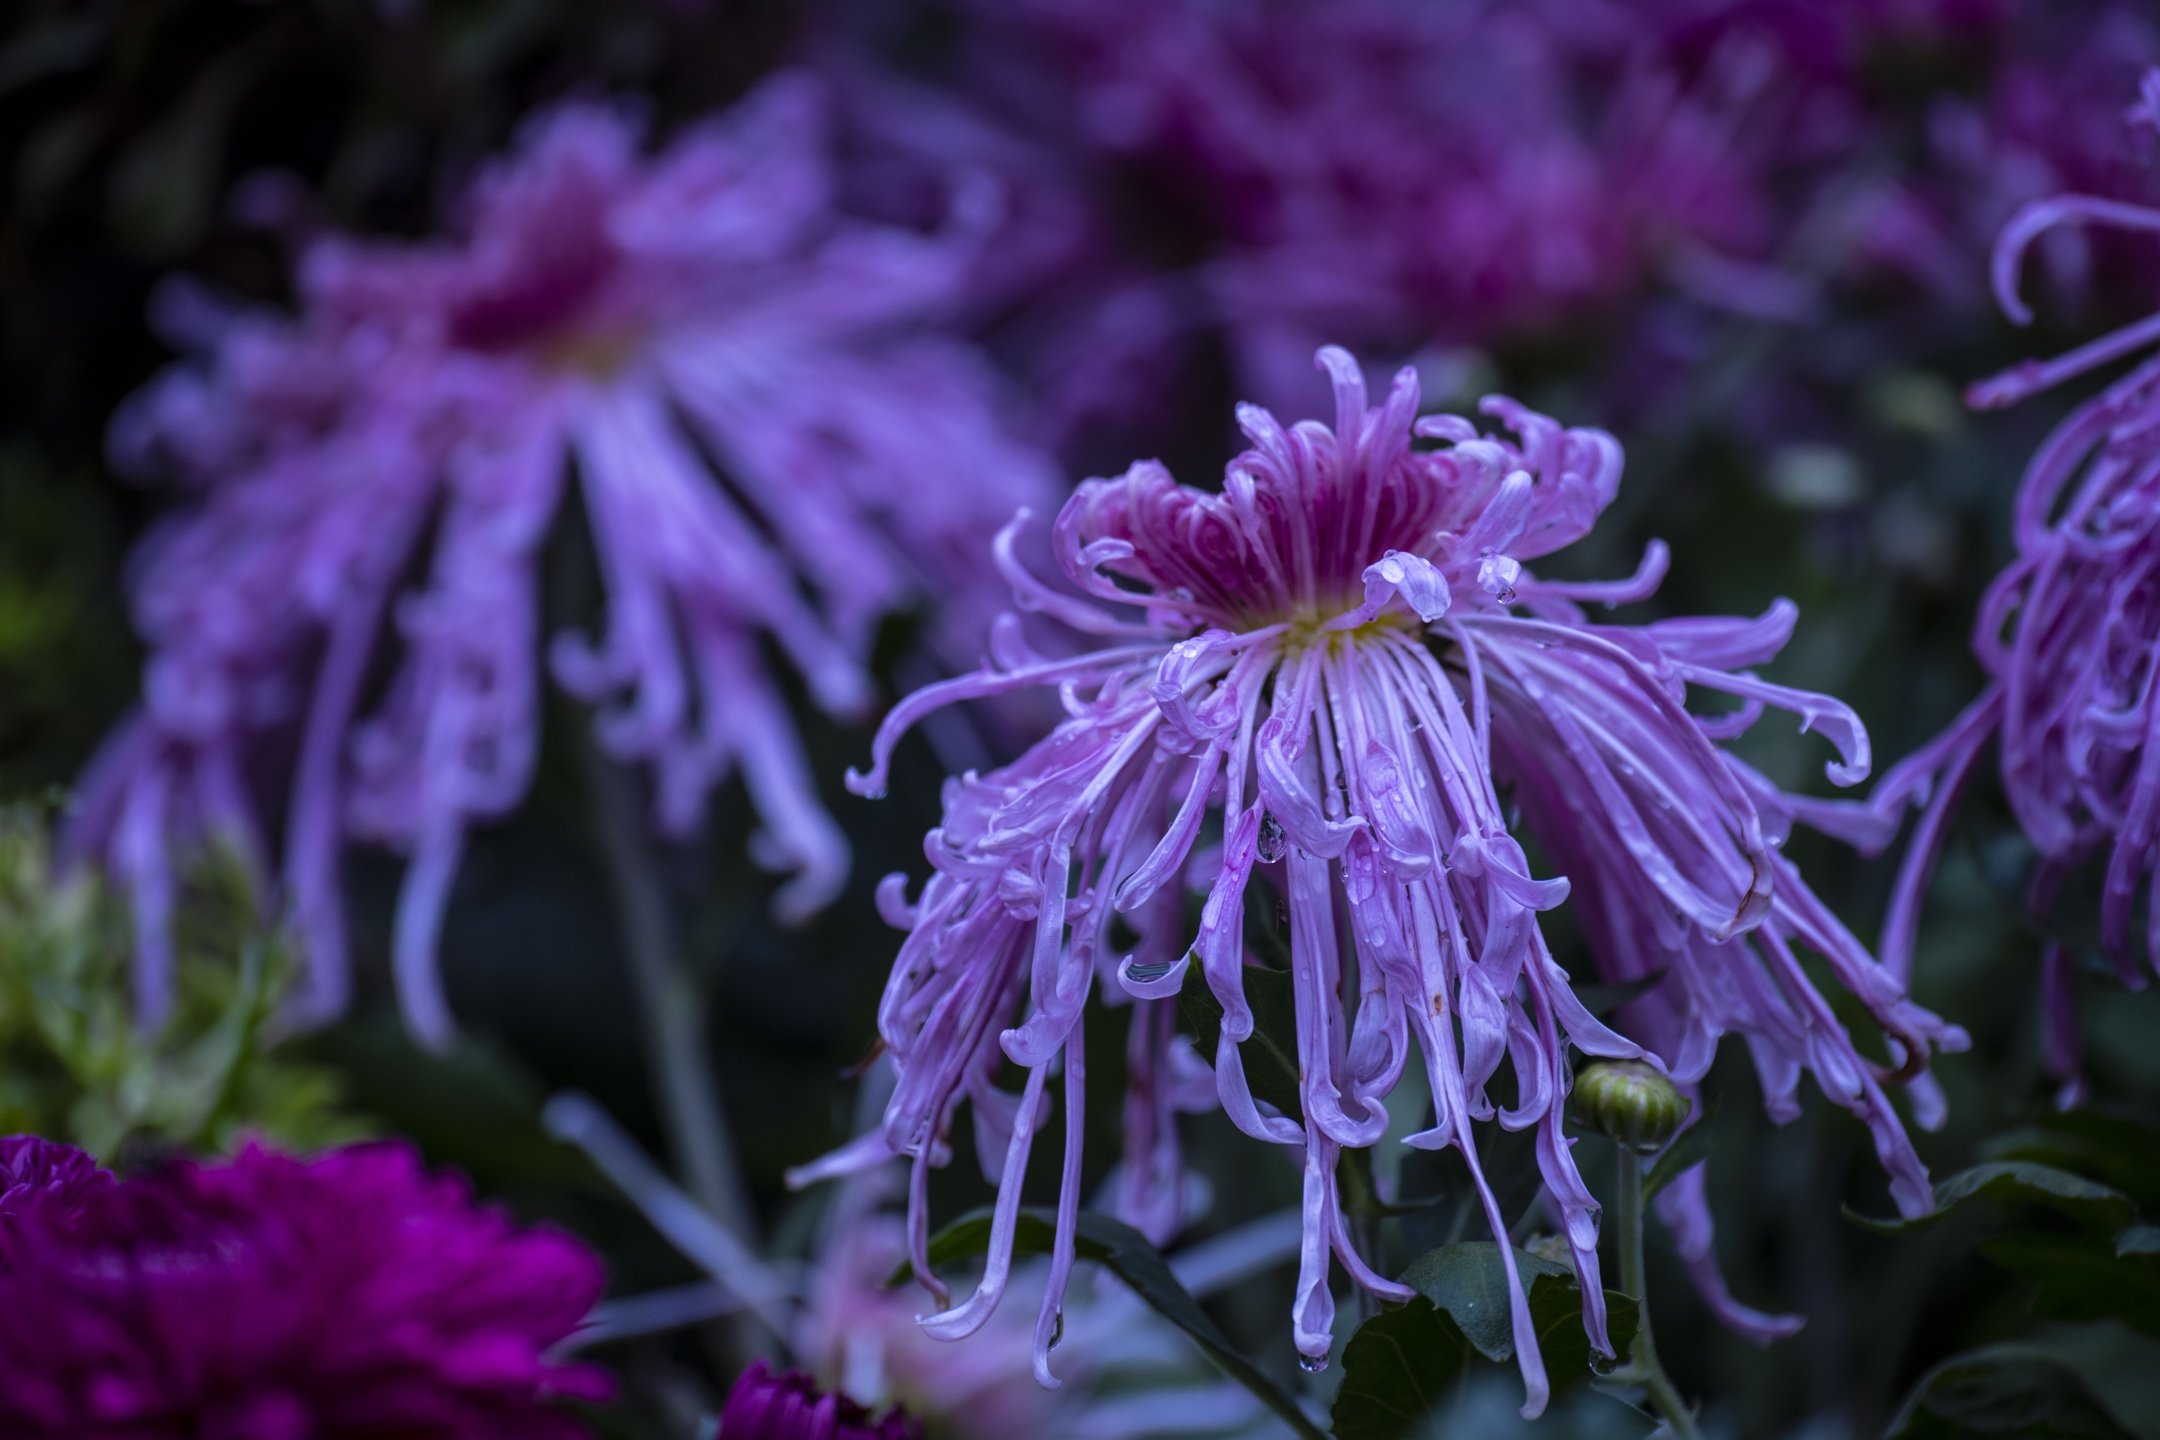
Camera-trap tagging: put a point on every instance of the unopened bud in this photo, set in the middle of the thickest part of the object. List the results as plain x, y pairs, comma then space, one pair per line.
1630, 1101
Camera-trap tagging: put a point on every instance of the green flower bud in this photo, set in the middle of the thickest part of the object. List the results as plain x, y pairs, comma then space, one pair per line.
1628, 1100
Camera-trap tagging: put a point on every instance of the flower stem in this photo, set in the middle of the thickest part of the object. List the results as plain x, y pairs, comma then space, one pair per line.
1643, 1368
671, 1003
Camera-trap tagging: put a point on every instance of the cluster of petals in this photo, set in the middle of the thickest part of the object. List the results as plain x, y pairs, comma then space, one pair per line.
273, 1298
2069, 637
774, 446
789, 1406
1331, 674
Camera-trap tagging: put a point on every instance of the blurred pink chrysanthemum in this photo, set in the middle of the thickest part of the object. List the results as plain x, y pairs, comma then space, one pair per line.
773, 445
1329, 653
346, 1296
2069, 635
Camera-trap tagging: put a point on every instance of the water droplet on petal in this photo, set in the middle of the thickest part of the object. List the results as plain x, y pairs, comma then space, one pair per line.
1312, 1364
1273, 842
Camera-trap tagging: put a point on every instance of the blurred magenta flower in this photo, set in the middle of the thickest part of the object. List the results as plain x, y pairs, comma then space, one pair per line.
347, 1295
1330, 652
2069, 635
773, 444
789, 1406
45, 1176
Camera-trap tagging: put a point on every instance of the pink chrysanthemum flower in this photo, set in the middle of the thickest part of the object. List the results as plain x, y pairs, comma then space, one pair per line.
1330, 652
346, 1296
2069, 635
770, 442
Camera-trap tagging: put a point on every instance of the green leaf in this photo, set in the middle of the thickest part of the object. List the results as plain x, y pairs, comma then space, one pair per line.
2107, 1148
1270, 1054
1467, 1283
1689, 1148
1395, 1369
2003, 1389
2081, 1278
2014, 1182
1127, 1254
1400, 1363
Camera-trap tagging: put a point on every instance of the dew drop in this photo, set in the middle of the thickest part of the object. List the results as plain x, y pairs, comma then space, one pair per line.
1312, 1364
1272, 842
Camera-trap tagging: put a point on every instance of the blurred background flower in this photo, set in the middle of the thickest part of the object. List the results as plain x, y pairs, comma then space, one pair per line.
769, 447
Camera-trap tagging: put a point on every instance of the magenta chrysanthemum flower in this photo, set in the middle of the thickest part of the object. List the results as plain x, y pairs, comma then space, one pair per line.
1331, 652
769, 444
2069, 635
789, 1406
46, 1177
347, 1296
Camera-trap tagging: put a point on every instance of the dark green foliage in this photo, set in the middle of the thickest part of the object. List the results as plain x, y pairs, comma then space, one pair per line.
2095, 1383
75, 1066
2091, 1204
1401, 1362
2083, 1257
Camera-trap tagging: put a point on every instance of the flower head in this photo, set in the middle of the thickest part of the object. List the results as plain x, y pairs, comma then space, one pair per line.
348, 1295
789, 1406
771, 442
2069, 635
1329, 654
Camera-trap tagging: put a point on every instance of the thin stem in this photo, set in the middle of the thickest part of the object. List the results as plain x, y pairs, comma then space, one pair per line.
671, 1003
1643, 1368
